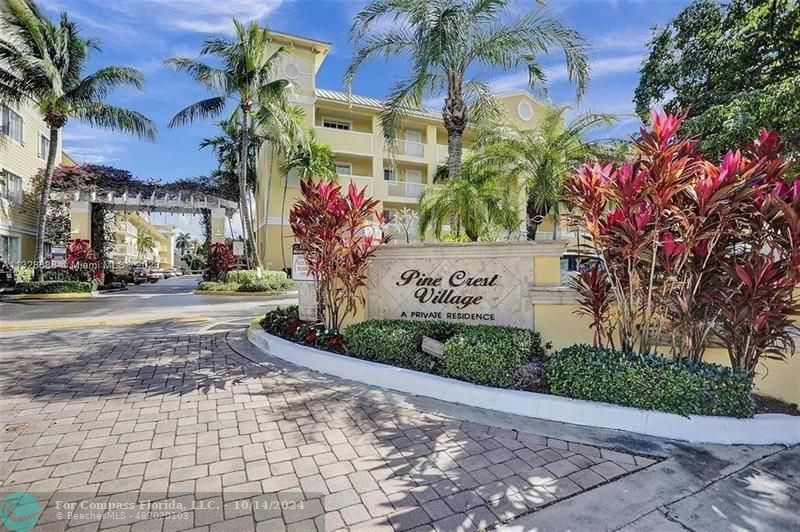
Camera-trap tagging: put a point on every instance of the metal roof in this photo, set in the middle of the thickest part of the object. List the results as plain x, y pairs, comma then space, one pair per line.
373, 103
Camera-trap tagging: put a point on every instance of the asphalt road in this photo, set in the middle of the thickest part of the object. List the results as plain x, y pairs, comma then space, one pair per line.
168, 299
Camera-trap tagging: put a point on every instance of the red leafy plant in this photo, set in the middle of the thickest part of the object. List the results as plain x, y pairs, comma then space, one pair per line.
81, 258
693, 251
336, 232
220, 261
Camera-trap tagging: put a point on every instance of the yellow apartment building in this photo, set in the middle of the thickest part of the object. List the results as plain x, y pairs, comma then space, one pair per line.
127, 228
24, 145
350, 125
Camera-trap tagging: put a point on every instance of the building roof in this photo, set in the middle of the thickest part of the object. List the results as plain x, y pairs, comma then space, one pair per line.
371, 103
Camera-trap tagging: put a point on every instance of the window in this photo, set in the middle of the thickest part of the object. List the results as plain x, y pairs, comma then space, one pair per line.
44, 146
388, 175
337, 124
9, 249
390, 215
10, 187
11, 123
344, 169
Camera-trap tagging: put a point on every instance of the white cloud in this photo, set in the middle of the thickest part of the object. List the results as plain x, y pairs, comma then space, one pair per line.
91, 145
99, 153
621, 39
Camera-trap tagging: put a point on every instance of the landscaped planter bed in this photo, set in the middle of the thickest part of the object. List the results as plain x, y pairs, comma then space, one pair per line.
761, 429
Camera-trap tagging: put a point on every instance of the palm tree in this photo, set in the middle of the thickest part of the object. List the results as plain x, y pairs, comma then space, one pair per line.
182, 242
43, 63
539, 160
144, 244
474, 202
247, 74
447, 41
310, 160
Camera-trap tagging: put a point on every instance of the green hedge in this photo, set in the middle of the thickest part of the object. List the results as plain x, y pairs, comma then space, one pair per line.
490, 355
213, 286
650, 382
483, 354
273, 284
276, 279
55, 287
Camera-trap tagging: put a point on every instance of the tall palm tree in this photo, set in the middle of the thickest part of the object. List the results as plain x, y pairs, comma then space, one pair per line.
144, 244
182, 242
474, 201
249, 65
539, 160
447, 41
310, 160
43, 63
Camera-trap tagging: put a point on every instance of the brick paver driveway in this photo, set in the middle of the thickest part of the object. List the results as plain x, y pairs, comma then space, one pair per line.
187, 430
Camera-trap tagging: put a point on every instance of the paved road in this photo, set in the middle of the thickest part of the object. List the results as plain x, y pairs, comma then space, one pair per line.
217, 436
167, 299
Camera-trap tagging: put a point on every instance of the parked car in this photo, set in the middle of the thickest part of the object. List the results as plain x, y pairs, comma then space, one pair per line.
154, 275
7, 278
138, 275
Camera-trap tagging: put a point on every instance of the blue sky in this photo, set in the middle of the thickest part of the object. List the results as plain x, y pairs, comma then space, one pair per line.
142, 33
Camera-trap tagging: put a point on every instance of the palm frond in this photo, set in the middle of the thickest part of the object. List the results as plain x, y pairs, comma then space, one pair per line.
98, 114
207, 108
97, 86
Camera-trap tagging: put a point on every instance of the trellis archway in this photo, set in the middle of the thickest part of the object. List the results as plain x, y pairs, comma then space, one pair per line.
215, 210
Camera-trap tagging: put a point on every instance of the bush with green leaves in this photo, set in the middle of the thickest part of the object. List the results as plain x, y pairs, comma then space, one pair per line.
650, 382
23, 274
483, 354
242, 276
213, 286
490, 355
56, 287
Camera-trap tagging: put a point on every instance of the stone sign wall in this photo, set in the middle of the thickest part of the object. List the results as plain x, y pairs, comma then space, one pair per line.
486, 283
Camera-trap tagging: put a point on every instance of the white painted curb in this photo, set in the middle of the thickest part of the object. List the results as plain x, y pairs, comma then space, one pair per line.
763, 429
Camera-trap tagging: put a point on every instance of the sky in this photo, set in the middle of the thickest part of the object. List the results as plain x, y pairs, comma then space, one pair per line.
143, 33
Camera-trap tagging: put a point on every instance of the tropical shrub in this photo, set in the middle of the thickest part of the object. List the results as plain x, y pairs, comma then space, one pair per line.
489, 355
220, 260
215, 286
55, 287
650, 382
242, 276
333, 232
694, 250
285, 322
23, 273
82, 258
483, 354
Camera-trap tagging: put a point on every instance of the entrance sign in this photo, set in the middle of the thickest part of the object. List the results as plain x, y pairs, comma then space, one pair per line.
299, 265
238, 248
487, 283
306, 287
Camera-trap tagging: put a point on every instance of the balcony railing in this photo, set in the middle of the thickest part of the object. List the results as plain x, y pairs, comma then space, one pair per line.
344, 141
405, 189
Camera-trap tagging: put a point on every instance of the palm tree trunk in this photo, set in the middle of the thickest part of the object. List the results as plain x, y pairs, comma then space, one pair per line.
454, 154
283, 211
44, 199
244, 203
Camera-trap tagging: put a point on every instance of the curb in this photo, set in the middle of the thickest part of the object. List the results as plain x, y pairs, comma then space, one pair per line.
74, 295
763, 429
81, 324
244, 294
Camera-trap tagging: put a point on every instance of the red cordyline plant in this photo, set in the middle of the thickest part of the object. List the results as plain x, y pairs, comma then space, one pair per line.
82, 258
335, 232
220, 261
693, 250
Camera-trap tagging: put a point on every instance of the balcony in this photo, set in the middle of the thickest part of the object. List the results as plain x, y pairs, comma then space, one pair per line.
410, 148
360, 181
342, 141
405, 189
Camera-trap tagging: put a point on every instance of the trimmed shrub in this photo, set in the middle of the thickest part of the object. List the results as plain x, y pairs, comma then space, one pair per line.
285, 322
650, 382
56, 287
483, 354
213, 286
489, 354
257, 286
242, 276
